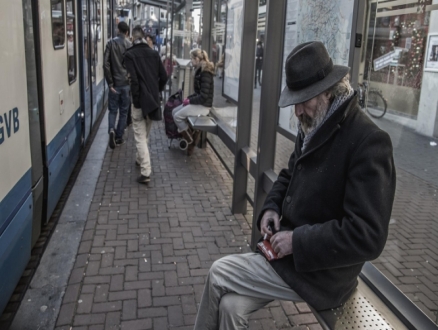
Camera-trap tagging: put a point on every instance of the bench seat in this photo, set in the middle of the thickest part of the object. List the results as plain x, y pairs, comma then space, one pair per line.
203, 123
364, 310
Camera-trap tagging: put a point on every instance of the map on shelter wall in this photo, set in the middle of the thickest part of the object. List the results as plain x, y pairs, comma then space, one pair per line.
308, 20
329, 22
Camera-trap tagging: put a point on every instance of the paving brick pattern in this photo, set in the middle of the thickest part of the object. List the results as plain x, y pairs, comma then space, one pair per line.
146, 250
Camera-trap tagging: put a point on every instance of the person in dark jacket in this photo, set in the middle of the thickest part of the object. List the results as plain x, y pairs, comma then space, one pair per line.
148, 78
258, 64
200, 102
334, 201
117, 80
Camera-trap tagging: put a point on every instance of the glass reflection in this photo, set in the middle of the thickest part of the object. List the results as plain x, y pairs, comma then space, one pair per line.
85, 25
71, 41
394, 57
58, 31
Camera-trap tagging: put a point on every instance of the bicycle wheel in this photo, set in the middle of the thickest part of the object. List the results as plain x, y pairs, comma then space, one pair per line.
376, 105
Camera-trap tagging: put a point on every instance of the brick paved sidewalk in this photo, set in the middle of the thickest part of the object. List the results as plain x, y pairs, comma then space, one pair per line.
146, 250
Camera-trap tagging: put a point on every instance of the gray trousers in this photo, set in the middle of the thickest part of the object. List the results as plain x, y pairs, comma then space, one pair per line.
142, 129
238, 285
181, 113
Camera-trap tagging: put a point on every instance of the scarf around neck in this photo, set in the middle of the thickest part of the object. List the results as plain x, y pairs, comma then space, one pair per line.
336, 104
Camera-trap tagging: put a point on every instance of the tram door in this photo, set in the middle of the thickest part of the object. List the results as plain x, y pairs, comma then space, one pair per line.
85, 67
36, 125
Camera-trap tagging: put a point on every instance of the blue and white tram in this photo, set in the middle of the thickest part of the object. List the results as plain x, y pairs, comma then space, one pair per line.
52, 91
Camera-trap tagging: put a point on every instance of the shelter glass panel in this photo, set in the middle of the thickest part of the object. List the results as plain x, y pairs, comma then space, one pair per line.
226, 48
326, 21
398, 71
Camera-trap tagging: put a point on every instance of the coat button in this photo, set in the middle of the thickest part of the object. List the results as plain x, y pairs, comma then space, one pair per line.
299, 167
288, 199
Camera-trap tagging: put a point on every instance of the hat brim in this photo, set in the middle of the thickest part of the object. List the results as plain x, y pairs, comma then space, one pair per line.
291, 97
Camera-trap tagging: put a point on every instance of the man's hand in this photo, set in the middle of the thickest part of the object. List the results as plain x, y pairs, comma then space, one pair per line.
281, 242
272, 218
112, 89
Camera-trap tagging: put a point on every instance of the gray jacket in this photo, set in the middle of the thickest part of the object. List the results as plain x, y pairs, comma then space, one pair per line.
115, 73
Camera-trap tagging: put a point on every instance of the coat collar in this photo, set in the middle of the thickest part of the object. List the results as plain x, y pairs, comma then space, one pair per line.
328, 128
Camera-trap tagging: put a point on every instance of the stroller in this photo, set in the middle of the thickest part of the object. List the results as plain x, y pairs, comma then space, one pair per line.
170, 126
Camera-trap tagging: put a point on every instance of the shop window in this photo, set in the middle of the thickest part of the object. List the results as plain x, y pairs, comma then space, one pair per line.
58, 30
397, 34
71, 41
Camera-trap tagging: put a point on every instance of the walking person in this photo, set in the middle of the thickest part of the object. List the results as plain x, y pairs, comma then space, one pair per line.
200, 102
117, 80
147, 77
259, 64
334, 199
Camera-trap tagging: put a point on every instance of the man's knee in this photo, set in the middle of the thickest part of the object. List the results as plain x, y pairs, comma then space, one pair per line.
230, 310
229, 304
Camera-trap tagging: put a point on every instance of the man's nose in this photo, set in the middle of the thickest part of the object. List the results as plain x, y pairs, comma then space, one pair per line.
299, 109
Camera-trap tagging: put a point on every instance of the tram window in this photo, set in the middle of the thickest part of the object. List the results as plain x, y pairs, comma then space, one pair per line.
71, 41
98, 20
58, 30
108, 18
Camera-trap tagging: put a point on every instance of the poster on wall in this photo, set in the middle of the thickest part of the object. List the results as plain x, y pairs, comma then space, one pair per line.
307, 20
233, 43
431, 62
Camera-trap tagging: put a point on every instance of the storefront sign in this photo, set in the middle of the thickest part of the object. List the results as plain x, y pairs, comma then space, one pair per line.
432, 53
383, 61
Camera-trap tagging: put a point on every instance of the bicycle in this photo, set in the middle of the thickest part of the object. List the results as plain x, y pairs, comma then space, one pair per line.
372, 100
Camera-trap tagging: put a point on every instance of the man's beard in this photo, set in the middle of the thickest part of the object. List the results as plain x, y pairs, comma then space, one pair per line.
308, 124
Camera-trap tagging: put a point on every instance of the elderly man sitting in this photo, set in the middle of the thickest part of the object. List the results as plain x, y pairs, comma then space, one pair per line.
327, 213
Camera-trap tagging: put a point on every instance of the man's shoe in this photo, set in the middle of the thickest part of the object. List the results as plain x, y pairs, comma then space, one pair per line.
119, 142
112, 138
143, 179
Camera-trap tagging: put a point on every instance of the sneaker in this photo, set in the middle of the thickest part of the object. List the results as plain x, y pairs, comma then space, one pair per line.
119, 142
112, 138
143, 179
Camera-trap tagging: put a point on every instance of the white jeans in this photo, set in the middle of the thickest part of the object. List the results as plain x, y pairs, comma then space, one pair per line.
181, 113
142, 128
238, 285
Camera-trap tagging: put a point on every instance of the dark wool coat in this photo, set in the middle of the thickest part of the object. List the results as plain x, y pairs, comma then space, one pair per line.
147, 76
337, 198
204, 88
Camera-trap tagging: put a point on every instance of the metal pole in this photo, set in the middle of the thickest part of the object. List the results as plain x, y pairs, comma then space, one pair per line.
245, 101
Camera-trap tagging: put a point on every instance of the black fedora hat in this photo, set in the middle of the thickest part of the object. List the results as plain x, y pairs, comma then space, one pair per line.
309, 72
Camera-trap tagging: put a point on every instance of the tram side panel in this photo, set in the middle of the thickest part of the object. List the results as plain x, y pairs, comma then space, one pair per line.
15, 161
61, 94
